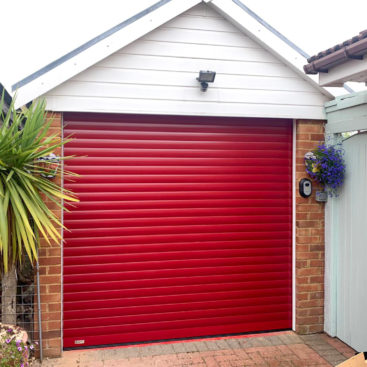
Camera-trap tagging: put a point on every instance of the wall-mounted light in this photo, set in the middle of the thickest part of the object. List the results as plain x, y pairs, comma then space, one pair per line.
49, 165
204, 78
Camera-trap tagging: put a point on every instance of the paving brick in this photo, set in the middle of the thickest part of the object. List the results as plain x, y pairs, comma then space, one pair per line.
212, 353
290, 338
86, 356
131, 352
322, 347
258, 358
201, 346
166, 348
339, 345
211, 345
222, 344
190, 347
312, 339
179, 347
274, 340
92, 364
246, 342
118, 353
211, 362
233, 343
151, 350
256, 342
286, 352
333, 356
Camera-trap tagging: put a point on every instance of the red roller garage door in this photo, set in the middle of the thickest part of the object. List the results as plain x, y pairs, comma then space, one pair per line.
183, 227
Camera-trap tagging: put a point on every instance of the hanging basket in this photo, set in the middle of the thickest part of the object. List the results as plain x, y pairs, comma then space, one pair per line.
326, 166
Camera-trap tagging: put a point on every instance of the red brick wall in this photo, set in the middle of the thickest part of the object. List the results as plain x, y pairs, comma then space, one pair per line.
50, 275
309, 253
309, 238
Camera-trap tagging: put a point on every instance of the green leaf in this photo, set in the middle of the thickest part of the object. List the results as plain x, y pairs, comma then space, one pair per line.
11, 173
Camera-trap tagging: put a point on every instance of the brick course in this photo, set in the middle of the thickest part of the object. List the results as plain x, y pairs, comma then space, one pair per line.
309, 253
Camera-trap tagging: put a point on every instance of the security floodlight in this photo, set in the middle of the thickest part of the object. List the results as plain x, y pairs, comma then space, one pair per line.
205, 77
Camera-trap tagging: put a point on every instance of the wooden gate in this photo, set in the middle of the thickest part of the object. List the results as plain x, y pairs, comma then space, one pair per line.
346, 255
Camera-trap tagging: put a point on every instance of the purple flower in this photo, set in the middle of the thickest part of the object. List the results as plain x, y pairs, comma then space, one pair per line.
20, 349
31, 347
7, 341
10, 330
22, 365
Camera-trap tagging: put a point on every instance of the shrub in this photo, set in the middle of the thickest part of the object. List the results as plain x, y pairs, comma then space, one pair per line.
14, 350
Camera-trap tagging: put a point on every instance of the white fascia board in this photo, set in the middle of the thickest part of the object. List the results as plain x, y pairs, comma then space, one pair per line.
101, 50
280, 49
351, 70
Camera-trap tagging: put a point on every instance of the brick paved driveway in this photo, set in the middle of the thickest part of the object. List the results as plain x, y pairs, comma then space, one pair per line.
270, 350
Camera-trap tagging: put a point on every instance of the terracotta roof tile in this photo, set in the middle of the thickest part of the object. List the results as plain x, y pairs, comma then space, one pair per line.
354, 47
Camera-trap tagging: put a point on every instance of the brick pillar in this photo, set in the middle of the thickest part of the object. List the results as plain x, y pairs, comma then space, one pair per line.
309, 237
50, 274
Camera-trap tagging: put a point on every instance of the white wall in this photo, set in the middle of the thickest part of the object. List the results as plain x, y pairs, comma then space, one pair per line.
157, 74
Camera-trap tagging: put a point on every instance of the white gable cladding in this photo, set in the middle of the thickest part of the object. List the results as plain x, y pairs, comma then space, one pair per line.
157, 75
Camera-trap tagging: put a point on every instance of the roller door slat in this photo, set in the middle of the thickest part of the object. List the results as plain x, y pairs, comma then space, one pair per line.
138, 222
174, 255
174, 153
177, 246
175, 212
161, 300
180, 281
168, 264
160, 238
171, 307
172, 273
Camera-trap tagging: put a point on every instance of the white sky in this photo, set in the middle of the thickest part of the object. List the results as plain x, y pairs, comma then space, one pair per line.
37, 32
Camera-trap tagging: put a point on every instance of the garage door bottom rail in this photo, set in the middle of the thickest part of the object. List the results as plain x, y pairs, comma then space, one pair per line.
175, 340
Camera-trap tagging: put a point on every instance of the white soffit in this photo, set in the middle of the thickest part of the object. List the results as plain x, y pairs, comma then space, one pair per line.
350, 71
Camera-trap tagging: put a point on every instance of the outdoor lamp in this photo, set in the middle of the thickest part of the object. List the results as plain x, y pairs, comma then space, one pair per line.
204, 78
49, 164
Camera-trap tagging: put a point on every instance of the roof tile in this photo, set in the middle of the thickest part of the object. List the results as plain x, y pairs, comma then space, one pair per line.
325, 59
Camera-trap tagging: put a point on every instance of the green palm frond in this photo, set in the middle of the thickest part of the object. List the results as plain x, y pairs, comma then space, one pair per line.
24, 216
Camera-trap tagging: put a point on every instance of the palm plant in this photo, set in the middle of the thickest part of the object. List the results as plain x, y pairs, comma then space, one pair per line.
24, 216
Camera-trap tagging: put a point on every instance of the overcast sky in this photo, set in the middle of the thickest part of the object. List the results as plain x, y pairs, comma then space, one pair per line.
37, 32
